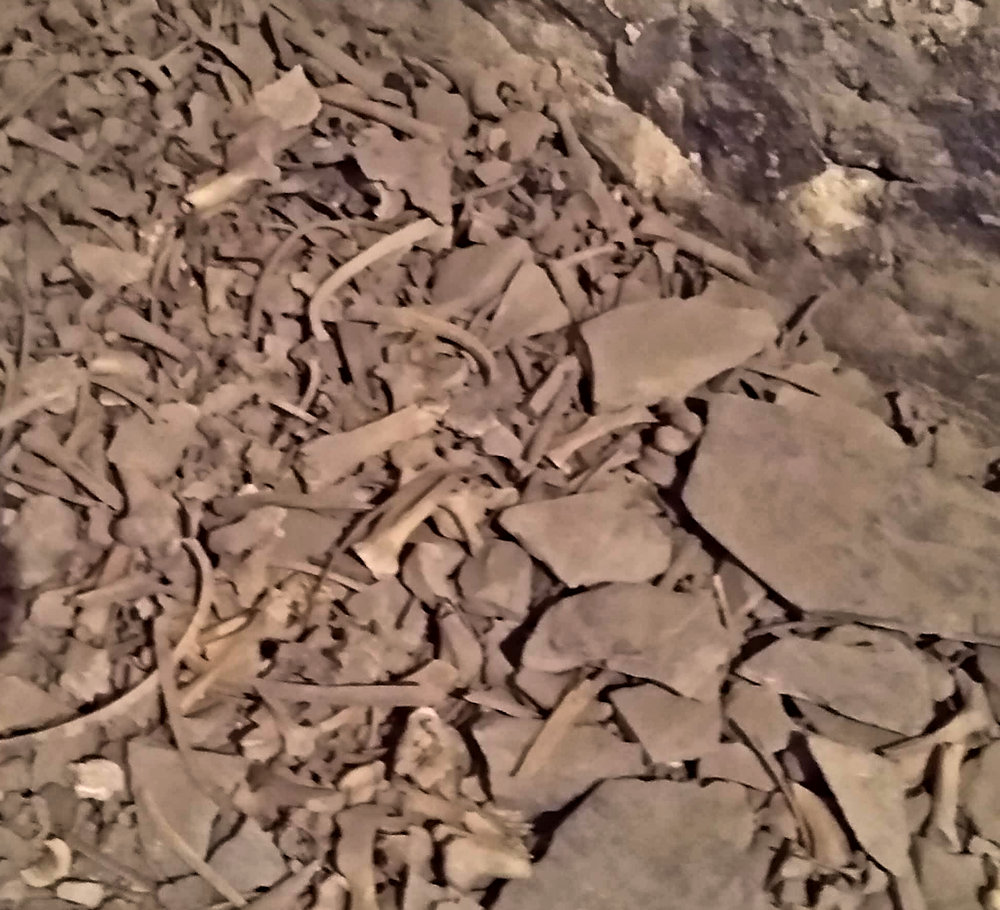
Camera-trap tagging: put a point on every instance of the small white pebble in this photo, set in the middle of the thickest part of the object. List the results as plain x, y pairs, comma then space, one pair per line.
86, 894
145, 607
98, 778
360, 784
53, 865
495, 138
87, 672
671, 440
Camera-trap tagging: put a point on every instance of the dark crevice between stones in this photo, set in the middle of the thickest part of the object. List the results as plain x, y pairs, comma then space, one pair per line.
11, 604
882, 170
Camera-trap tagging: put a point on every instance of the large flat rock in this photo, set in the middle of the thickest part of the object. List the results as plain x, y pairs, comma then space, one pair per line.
877, 681
644, 844
831, 513
647, 632
642, 352
589, 538
587, 754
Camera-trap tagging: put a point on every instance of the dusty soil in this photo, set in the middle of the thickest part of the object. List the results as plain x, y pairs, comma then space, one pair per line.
426, 483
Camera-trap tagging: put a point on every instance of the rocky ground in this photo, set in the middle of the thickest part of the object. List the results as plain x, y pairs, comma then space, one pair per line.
426, 483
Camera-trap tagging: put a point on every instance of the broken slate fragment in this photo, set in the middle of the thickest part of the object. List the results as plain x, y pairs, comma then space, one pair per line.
109, 268
869, 791
670, 728
643, 352
981, 791
290, 101
737, 763
587, 754
831, 725
675, 846
758, 713
591, 537
417, 167
728, 292
496, 581
643, 631
428, 568
531, 305
476, 274
839, 521
886, 685
25, 705
249, 859
949, 881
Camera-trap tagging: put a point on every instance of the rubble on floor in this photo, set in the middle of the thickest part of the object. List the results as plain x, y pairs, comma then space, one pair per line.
410, 515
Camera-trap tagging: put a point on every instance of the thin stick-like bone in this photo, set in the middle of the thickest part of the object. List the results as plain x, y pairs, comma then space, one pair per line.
130, 324
343, 97
559, 722
658, 226
149, 686
594, 428
396, 242
255, 314
184, 850
418, 321
43, 442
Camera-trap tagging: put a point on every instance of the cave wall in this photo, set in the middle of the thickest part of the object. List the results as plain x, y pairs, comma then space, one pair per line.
852, 149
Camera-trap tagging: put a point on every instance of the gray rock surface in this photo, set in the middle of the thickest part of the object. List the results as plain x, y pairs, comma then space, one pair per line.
820, 504
676, 846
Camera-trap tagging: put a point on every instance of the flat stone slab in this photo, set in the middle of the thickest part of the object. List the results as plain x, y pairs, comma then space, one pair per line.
823, 504
643, 844
645, 351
